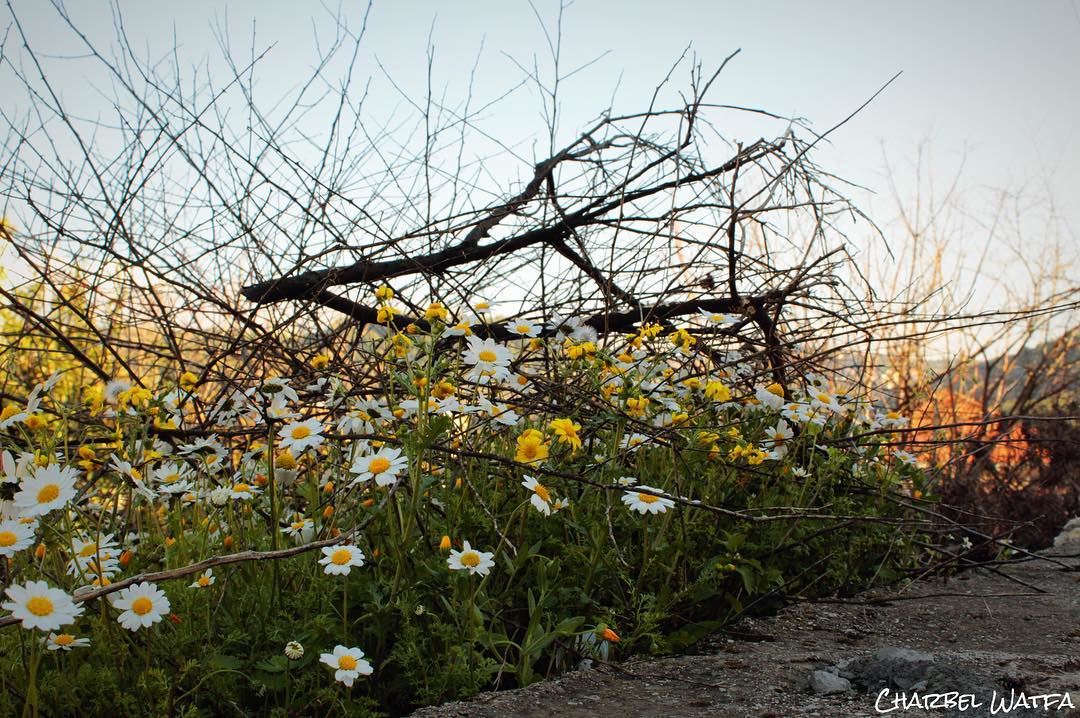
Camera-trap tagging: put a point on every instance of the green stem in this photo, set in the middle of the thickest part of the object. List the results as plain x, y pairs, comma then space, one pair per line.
32, 696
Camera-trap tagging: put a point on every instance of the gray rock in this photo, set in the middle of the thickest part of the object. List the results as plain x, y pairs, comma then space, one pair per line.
825, 683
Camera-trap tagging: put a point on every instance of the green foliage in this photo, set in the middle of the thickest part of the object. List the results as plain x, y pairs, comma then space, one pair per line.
739, 518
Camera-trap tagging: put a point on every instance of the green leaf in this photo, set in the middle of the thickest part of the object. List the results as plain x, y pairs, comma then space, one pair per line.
221, 660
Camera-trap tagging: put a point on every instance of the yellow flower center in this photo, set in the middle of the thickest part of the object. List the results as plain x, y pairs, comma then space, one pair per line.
470, 559
7, 538
47, 493
170, 478
297, 525
241, 488
524, 328
64, 639
301, 432
487, 355
647, 498
8, 412
204, 581
541, 491
39, 606
88, 550
346, 663
142, 605
379, 464
341, 557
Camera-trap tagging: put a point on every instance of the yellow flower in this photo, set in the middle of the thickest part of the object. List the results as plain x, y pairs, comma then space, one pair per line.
567, 432
320, 362
755, 456
636, 406
444, 544
443, 389
188, 381
95, 397
704, 438
531, 447
682, 339
386, 314
776, 389
649, 330
384, 293
436, 311
717, 391
34, 422
167, 424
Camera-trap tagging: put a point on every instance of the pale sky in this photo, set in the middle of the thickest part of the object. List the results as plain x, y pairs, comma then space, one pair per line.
989, 86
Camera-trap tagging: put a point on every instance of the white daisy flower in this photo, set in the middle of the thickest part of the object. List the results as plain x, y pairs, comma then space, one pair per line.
339, 560
220, 496
64, 642
299, 436
15, 536
133, 475
461, 329
645, 503
383, 466
171, 478
905, 457
523, 328
15, 470
244, 491
777, 436
634, 441
38, 606
498, 411
48, 488
719, 319
488, 359
541, 497
823, 400
300, 529
471, 560
205, 580
573, 328
103, 550
768, 398
348, 664
142, 605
